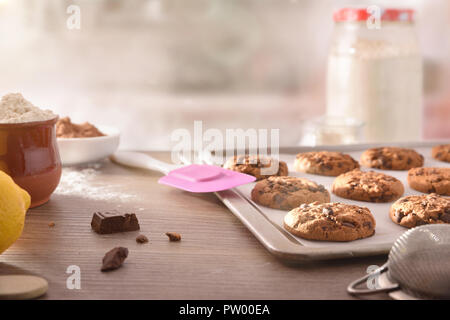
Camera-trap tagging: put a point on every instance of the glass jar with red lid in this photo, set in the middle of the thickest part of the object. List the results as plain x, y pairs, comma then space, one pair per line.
375, 72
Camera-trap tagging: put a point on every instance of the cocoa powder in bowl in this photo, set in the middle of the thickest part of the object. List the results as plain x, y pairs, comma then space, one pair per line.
66, 129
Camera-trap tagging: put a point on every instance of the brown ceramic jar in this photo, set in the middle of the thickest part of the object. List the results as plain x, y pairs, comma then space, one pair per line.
29, 154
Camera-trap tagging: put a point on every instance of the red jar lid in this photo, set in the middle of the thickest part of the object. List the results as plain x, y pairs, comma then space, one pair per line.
361, 14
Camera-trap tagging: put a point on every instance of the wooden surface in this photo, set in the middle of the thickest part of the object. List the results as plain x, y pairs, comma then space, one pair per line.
218, 258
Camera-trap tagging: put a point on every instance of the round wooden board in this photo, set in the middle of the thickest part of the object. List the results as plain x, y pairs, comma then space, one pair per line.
21, 287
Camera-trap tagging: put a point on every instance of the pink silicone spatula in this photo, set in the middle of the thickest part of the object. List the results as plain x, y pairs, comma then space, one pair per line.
193, 178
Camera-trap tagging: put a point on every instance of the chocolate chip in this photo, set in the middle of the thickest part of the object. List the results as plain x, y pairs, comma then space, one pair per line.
420, 223
114, 258
348, 224
278, 199
367, 224
445, 217
399, 215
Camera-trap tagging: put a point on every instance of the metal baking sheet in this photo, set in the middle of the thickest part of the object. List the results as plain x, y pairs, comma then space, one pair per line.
267, 224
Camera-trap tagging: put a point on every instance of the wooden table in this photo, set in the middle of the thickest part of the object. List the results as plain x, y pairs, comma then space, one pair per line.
218, 258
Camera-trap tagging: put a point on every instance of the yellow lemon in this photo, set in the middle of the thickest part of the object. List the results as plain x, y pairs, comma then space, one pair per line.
14, 203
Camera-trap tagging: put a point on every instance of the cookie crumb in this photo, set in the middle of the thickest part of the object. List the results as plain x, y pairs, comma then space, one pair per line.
173, 236
141, 239
51, 224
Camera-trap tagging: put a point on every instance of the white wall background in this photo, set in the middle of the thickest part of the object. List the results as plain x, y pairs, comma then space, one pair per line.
151, 66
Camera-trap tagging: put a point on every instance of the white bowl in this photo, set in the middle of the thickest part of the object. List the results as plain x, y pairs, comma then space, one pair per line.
75, 151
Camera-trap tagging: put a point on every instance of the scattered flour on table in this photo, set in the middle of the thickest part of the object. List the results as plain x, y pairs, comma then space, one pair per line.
14, 108
83, 182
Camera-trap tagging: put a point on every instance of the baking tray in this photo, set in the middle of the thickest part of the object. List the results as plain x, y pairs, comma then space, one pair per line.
266, 224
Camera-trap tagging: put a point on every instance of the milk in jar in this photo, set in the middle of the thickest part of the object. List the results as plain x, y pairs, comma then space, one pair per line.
375, 74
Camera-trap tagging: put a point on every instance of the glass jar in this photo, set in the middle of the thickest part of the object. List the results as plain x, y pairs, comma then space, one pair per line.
375, 73
332, 131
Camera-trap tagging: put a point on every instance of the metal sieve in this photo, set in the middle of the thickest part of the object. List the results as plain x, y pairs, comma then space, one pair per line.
418, 264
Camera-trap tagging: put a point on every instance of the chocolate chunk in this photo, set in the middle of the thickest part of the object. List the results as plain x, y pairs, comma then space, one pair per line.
348, 224
445, 217
112, 222
420, 223
114, 258
141, 239
173, 236
278, 199
399, 215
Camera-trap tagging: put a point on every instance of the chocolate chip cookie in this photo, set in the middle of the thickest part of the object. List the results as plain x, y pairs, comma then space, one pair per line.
257, 166
367, 186
430, 180
391, 158
286, 193
441, 152
413, 211
330, 222
326, 163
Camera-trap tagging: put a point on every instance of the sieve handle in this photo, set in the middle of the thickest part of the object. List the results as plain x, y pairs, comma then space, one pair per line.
352, 287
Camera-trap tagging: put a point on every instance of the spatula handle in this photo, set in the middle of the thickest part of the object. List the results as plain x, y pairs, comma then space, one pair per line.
141, 160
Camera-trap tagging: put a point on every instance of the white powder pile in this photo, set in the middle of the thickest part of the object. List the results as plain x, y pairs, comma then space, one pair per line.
14, 108
83, 183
